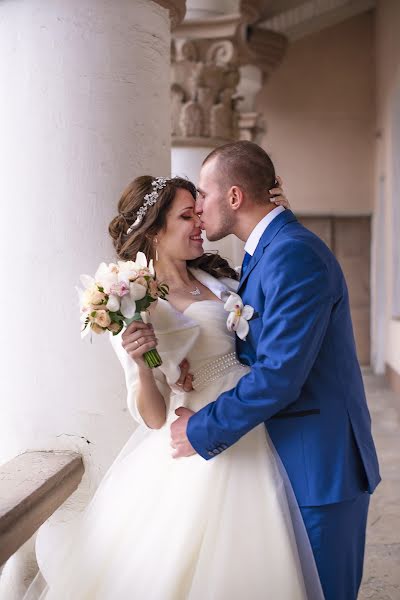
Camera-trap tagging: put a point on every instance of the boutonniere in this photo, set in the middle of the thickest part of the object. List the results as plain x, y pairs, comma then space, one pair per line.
239, 315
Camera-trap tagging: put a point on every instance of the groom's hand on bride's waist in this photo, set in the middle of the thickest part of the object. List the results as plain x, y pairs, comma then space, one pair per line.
185, 380
179, 441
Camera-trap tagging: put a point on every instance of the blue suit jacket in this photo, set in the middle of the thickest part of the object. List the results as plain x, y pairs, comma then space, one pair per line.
305, 382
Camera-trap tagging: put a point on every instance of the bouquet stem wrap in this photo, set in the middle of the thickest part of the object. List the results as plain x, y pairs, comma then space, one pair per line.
151, 357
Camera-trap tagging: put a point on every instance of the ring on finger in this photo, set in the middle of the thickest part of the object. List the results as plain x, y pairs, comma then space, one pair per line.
137, 343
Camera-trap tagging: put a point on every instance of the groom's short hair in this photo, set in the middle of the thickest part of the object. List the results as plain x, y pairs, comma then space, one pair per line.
246, 165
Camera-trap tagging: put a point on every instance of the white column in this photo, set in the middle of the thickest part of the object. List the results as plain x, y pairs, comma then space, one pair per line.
83, 110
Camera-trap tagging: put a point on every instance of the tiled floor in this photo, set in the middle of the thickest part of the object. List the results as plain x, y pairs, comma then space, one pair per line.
381, 579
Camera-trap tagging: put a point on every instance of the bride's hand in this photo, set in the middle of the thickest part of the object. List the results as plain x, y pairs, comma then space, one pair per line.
279, 197
137, 339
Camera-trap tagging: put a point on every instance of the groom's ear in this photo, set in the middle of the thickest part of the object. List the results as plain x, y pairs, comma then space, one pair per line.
235, 197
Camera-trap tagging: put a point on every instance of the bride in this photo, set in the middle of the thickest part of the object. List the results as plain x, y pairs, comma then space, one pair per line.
160, 528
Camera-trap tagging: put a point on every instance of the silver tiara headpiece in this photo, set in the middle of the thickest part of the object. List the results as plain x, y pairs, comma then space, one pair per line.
158, 184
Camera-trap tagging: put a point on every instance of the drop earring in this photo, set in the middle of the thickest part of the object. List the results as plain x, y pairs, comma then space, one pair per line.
155, 242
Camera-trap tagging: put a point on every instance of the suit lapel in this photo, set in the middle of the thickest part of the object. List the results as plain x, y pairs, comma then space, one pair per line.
271, 231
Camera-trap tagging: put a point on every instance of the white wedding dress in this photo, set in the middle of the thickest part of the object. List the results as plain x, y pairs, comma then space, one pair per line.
159, 528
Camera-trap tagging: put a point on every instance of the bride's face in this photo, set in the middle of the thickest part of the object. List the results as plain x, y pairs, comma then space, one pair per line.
181, 237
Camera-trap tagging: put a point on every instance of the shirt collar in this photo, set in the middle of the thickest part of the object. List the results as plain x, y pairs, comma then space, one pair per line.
255, 235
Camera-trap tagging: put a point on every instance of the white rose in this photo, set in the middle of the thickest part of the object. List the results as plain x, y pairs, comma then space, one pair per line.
93, 296
101, 318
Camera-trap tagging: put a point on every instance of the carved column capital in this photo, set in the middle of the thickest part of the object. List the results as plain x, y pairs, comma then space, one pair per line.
205, 75
207, 54
177, 10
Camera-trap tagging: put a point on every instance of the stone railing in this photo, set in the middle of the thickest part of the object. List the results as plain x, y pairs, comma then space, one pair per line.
32, 486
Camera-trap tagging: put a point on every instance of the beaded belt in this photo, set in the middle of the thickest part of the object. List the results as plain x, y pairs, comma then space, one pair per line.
216, 368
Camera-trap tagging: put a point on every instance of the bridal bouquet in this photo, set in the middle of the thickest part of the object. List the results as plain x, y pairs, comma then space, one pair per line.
116, 296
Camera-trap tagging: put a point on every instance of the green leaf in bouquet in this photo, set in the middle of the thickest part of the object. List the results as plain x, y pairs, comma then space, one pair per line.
116, 317
142, 304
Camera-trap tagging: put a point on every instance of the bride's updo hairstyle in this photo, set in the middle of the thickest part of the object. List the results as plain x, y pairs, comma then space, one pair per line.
140, 238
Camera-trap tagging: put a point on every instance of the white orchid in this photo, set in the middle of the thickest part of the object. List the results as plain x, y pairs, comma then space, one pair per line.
128, 302
239, 315
130, 270
127, 270
106, 276
132, 291
141, 260
117, 291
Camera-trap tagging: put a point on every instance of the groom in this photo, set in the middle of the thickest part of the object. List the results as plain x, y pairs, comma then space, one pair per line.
305, 382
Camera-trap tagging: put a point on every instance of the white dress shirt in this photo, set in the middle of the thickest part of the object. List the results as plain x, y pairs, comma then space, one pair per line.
255, 236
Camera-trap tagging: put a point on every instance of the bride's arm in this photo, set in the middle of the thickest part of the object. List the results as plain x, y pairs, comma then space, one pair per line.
137, 339
149, 400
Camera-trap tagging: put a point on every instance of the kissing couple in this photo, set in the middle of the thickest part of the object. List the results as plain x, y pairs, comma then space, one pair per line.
251, 471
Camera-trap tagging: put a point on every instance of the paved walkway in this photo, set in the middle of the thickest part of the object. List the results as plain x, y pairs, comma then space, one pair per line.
381, 579
382, 562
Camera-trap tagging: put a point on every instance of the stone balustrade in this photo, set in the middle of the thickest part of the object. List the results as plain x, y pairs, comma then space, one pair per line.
32, 486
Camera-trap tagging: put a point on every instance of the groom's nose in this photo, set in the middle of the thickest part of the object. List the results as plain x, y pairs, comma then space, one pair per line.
198, 220
198, 205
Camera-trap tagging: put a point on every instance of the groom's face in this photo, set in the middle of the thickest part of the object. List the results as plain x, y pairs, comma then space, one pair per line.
212, 204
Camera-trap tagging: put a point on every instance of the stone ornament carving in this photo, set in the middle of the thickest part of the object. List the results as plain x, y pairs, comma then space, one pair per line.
206, 57
259, 47
251, 10
251, 127
203, 91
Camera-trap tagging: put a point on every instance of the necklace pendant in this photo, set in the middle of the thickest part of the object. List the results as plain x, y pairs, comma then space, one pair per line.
196, 292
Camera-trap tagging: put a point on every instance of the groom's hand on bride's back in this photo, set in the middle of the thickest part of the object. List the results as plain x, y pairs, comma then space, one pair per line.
277, 195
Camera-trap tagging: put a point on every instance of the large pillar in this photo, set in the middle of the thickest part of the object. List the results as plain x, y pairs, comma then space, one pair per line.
84, 109
219, 63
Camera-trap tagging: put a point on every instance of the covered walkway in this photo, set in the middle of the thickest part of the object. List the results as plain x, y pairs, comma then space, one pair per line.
381, 572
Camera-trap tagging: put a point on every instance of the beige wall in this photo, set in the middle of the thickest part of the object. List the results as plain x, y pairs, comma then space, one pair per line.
319, 109
388, 80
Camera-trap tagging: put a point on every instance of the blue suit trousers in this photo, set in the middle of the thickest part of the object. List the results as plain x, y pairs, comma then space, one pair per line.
337, 536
